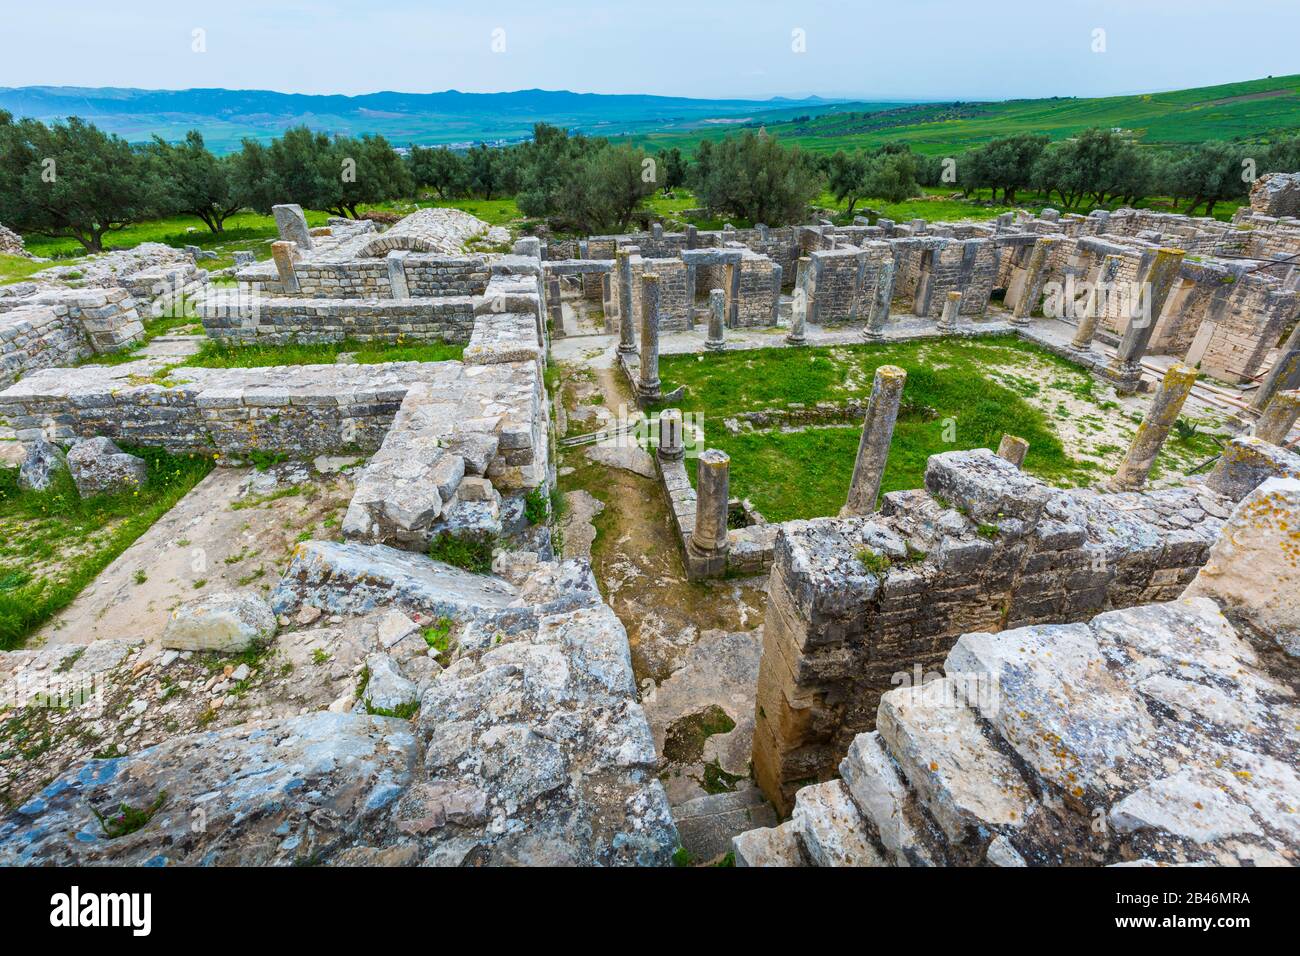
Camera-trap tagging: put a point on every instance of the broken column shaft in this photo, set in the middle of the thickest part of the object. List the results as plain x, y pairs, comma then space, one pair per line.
875, 328
1100, 293
1278, 417
554, 308
799, 304
1035, 276
671, 447
1285, 373
706, 549
1151, 434
951, 309
1125, 367
1013, 448
873, 447
717, 320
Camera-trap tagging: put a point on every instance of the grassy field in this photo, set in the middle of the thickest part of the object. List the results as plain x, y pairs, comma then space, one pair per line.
958, 395
1234, 111
245, 230
53, 543
217, 355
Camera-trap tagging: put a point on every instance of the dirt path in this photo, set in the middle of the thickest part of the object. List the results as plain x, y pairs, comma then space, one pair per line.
635, 556
233, 531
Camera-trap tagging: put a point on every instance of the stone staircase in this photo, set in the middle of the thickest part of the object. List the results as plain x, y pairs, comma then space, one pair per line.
706, 825
1158, 734
1149, 734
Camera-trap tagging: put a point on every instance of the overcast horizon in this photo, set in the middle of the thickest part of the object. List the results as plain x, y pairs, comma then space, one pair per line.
920, 50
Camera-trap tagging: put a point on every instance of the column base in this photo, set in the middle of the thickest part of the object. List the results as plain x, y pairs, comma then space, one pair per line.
717, 346
705, 562
1127, 379
627, 349
796, 340
1019, 321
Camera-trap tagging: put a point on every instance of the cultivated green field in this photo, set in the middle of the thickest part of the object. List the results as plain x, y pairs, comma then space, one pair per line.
1234, 111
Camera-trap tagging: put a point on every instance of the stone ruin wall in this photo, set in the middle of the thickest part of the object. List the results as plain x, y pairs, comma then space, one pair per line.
983, 548
63, 328
1156, 735
282, 320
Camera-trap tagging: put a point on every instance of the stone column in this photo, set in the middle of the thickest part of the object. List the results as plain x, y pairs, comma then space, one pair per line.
554, 308
873, 448
799, 302
1279, 415
607, 299
1153, 431
1125, 368
798, 314
285, 254
671, 447
1106, 277
875, 327
1013, 449
1284, 374
649, 382
717, 320
1035, 276
626, 322
951, 309
395, 262
706, 550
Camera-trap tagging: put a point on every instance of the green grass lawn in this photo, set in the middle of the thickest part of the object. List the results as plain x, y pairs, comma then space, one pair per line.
952, 401
53, 543
218, 355
243, 231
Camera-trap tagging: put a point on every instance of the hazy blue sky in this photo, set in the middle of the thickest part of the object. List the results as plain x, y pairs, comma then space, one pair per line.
901, 49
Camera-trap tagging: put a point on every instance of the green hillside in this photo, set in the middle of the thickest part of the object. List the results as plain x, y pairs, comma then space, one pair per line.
1256, 109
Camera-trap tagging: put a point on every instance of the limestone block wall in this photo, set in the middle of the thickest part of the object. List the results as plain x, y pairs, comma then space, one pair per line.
36, 337
834, 285
229, 317
1276, 194
758, 292
159, 289
337, 275
928, 268
984, 547
438, 275
1263, 238
675, 295
1225, 318
299, 411
65, 326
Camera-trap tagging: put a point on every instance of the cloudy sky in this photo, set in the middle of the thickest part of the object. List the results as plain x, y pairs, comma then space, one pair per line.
899, 49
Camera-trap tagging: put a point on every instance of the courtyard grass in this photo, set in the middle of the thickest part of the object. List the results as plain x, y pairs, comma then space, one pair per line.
53, 543
220, 355
958, 396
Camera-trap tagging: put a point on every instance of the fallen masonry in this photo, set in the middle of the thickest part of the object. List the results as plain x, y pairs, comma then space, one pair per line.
529, 749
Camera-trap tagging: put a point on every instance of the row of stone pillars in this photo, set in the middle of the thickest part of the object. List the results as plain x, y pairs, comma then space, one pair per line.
887, 393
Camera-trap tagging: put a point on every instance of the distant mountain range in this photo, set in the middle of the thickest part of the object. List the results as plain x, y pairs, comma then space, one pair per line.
450, 117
